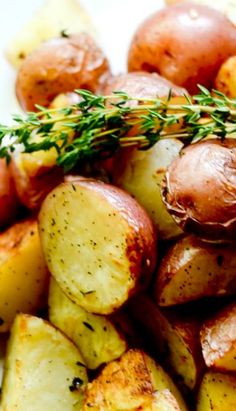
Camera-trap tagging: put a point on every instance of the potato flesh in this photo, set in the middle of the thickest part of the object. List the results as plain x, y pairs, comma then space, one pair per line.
193, 269
133, 383
217, 392
92, 250
96, 336
218, 338
41, 365
226, 77
176, 338
49, 22
142, 177
23, 272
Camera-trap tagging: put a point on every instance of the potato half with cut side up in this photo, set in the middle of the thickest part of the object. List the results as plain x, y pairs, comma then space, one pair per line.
218, 338
58, 66
99, 243
96, 336
134, 382
217, 392
23, 272
43, 369
193, 269
199, 189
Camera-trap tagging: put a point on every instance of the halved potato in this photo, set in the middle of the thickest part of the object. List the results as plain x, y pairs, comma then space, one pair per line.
23, 272
99, 243
43, 369
193, 269
141, 174
174, 337
218, 338
226, 78
135, 382
49, 21
217, 392
96, 336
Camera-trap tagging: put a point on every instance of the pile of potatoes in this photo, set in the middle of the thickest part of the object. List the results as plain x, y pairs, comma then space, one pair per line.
127, 260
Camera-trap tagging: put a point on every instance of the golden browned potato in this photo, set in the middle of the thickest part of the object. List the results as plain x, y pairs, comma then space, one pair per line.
8, 198
23, 272
97, 337
200, 189
43, 369
173, 336
58, 66
133, 383
217, 392
140, 84
186, 43
99, 243
218, 338
226, 78
193, 269
35, 175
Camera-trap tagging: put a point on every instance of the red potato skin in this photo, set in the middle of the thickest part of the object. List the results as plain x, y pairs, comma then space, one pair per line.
142, 242
8, 197
59, 66
199, 189
186, 43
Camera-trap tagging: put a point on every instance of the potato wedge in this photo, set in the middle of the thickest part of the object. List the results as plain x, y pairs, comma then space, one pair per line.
99, 243
96, 336
43, 369
174, 337
133, 383
141, 174
193, 269
23, 272
217, 392
218, 338
48, 22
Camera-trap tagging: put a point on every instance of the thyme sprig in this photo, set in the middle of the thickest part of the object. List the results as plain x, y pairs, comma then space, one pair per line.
98, 126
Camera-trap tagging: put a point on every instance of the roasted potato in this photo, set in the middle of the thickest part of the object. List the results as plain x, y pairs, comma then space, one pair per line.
185, 43
133, 383
50, 21
23, 272
60, 65
193, 269
199, 189
140, 173
228, 7
174, 337
8, 197
98, 242
218, 338
96, 336
217, 392
226, 78
35, 175
43, 369
140, 84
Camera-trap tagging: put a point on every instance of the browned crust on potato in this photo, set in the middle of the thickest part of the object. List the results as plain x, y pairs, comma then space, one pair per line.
186, 43
58, 66
199, 189
8, 198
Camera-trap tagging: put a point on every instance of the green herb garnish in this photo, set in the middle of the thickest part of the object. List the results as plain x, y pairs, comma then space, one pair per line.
99, 125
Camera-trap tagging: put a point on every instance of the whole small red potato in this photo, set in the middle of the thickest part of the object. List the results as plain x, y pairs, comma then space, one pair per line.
8, 198
186, 43
60, 65
199, 189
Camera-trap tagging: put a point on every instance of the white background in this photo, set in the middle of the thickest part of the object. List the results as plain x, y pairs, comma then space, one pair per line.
115, 20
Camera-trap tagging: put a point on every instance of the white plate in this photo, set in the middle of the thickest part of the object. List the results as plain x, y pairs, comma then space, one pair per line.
115, 21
